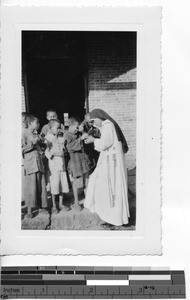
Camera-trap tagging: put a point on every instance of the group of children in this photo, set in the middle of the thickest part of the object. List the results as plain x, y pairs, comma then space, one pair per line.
57, 157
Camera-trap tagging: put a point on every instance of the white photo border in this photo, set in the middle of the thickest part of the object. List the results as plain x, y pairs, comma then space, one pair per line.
146, 239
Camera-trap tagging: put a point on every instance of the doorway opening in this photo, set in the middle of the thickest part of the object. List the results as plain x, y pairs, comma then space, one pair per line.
54, 73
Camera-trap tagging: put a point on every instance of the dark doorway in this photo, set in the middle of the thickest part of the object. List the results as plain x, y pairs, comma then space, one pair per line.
54, 68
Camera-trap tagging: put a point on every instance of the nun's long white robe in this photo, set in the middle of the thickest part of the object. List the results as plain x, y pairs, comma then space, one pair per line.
107, 192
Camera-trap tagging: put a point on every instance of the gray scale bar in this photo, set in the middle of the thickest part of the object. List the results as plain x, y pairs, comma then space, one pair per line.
9, 268
139, 297
65, 272
103, 269
166, 296
44, 297
151, 272
150, 282
122, 268
65, 268
22, 297
106, 277
63, 297
63, 277
121, 296
83, 297
178, 296
20, 277
141, 268
46, 272
100, 297
178, 279
84, 269
27, 268
47, 268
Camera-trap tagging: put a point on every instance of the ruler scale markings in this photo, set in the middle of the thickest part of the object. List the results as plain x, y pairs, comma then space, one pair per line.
160, 287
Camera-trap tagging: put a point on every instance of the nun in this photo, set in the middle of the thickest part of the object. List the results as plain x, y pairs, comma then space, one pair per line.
107, 191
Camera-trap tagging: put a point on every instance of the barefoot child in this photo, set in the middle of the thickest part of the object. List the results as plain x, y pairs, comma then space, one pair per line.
50, 115
79, 164
55, 155
34, 180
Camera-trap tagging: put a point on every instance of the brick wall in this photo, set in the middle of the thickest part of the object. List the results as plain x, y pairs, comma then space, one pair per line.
112, 81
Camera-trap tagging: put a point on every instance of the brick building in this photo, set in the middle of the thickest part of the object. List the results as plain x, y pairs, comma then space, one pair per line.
112, 81
77, 71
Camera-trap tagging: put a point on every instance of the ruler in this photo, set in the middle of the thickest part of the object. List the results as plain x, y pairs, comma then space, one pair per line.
86, 282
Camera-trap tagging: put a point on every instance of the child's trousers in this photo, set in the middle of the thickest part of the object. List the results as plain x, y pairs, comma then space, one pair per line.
35, 190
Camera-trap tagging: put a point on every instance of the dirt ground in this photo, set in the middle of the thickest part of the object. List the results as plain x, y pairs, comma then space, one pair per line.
83, 220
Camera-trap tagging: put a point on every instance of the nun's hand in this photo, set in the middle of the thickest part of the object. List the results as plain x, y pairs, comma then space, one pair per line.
89, 140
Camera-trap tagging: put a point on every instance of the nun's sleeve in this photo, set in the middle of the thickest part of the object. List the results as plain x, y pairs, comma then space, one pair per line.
106, 140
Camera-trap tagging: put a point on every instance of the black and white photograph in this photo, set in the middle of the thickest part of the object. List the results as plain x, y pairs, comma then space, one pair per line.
81, 92
78, 130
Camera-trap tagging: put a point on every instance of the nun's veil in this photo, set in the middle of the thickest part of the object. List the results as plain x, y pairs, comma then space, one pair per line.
101, 114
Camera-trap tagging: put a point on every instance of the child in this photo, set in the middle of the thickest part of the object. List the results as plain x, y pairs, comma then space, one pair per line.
50, 115
87, 127
79, 164
24, 126
55, 155
35, 190
24, 121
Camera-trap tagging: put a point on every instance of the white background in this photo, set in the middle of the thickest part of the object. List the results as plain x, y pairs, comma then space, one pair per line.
175, 144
